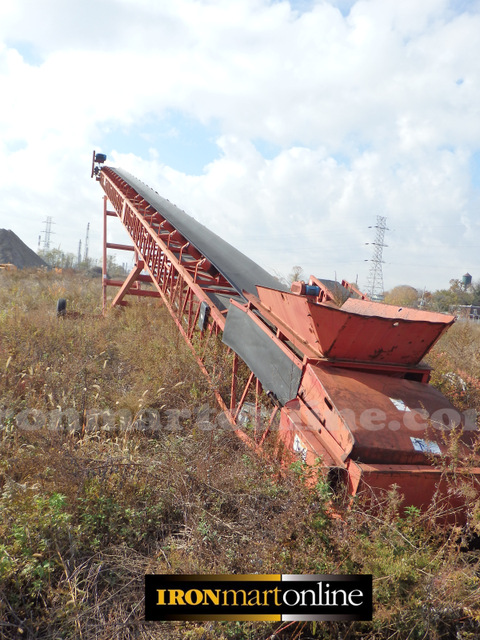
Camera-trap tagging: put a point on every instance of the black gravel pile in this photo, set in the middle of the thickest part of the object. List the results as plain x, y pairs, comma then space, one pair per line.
14, 251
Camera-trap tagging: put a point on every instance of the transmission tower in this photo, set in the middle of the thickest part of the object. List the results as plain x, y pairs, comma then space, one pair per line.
79, 257
47, 233
375, 277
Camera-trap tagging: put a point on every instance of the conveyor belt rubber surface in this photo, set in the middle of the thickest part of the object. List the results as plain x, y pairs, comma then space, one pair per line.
240, 271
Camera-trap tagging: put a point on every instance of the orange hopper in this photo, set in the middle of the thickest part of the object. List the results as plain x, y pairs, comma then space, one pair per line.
364, 405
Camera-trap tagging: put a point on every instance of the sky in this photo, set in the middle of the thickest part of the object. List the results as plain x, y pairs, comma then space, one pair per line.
285, 127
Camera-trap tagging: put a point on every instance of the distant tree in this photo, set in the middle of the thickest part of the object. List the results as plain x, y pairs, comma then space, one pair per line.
56, 258
114, 269
475, 290
402, 296
295, 275
425, 299
456, 295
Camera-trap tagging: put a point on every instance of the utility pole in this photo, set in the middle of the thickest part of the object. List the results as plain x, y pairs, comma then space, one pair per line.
79, 256
375, 277
85, 259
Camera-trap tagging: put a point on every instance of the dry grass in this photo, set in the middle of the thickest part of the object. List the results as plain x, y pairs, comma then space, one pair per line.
85, 514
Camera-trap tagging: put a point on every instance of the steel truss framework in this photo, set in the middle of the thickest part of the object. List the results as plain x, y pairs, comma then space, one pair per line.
357, 354
182, 278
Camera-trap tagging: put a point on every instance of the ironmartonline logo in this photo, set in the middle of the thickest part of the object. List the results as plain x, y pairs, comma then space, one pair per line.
320, 596
258, 597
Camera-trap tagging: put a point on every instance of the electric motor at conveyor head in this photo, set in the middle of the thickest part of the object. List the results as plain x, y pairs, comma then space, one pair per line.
346, 372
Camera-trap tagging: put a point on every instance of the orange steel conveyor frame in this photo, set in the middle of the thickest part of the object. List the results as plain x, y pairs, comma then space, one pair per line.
342, 376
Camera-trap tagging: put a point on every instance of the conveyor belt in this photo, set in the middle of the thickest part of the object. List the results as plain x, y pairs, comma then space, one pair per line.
344, 373
240, 271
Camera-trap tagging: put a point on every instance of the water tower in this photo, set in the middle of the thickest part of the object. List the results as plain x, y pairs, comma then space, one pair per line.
466, 280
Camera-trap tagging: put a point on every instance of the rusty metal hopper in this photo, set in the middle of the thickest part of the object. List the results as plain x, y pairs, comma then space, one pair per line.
358, 331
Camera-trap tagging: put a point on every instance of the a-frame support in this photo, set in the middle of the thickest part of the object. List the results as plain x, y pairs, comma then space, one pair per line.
132, 283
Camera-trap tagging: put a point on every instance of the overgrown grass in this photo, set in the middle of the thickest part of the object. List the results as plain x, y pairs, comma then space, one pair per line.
87, 509
456, 365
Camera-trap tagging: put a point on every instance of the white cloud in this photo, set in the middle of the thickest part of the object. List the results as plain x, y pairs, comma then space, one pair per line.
373, 106
304, 208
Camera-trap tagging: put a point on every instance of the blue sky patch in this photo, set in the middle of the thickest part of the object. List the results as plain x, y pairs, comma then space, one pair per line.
16, 145
342, 159
301, 5
304, 6
181, 142
475, 169
27, 50
462, 6
268, 150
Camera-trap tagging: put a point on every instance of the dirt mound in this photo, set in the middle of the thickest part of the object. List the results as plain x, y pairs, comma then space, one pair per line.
14, 251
